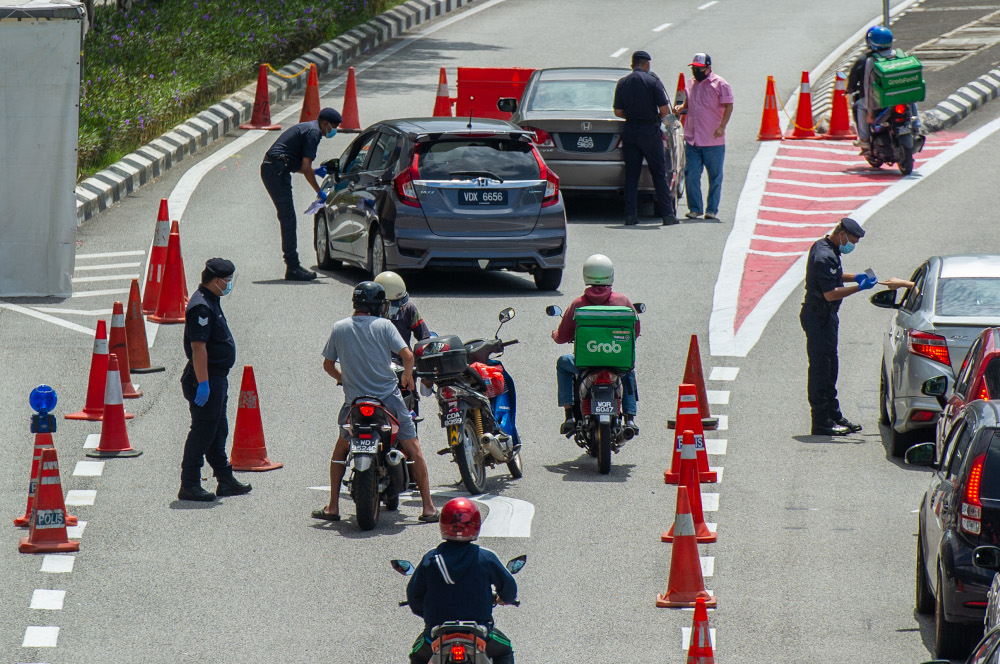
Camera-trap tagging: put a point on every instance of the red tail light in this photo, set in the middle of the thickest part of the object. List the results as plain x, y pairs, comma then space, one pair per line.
604, 378
922, 416
543, 139
367, 410
447, 393
551, 196
458, 653
972, 507
901, 108
984, 393
405, 190
931, 346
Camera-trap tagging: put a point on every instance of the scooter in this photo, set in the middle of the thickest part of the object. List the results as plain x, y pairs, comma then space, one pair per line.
461, 641
895, 138
477, 401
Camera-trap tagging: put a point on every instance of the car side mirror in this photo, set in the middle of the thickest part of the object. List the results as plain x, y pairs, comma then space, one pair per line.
639, 307
936, 387
333, 168
885, 299
921, 454
553, 310
506, 315
404, 567
507, 105
986, 557
515, 565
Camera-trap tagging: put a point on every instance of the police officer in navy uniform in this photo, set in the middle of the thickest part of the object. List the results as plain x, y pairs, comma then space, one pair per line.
294, 152
211, 353
642, 101
826, 286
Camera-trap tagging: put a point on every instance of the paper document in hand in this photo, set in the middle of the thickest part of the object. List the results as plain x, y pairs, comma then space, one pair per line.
316, 206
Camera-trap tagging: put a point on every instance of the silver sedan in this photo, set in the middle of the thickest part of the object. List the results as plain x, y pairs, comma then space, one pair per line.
952, 300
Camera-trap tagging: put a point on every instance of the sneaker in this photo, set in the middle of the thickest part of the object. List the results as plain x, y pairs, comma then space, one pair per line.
299, 273
691, 214
710, 215
195, 493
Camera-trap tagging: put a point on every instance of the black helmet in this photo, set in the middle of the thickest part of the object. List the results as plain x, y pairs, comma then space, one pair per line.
369, 297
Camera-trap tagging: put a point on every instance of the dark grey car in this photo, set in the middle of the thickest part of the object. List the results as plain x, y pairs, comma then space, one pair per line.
434, 193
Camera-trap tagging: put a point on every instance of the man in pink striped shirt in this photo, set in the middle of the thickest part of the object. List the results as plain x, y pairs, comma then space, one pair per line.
708, 106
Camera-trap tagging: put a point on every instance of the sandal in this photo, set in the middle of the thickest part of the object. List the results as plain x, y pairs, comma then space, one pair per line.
321, 513
429, 518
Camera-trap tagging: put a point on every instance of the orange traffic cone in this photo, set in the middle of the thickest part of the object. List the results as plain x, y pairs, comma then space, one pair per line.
351, 120
840, 112
688, 418
310, 102
249, 451
175, 227
47, 532
114, 437
157, 256
689, 481
261, 117
118, 345
694, 375
681, 95
135, 333
700, 648
94, 408
686, 583
42, 441
770, 126
173, 296
803, 127
443, 102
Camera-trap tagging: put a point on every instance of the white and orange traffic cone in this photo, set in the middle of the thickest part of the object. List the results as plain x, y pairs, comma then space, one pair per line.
443, 102
249, 451
135, 333
47, 531
114, 438
700, 648
840, 112
351, 119
689, 482
804, 126
680, 96
93, 410
118, 345
157, 258
686, 583
42, 441
770, 125
173, 300
689, 418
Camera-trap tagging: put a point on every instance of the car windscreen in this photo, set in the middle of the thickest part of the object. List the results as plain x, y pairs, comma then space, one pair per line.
573, 96
470, 158
967, 297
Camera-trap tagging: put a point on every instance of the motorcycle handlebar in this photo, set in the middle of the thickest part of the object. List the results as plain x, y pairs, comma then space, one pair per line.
403, 602
509, 343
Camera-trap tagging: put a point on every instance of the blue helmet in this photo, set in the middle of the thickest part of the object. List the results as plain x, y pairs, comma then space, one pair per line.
879, 38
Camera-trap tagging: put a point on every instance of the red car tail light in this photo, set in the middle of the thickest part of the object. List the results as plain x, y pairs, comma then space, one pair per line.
984, 393
551, 196
543, 139
931, 346
405, 190
922, 416
972, 506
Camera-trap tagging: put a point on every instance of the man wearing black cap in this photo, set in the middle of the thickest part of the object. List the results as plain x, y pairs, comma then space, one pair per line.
825, 288
294, 152
211, 353
641, 100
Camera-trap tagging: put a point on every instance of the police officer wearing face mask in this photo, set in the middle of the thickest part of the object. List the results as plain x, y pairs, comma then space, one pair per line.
211, 353
826, 286
294, 152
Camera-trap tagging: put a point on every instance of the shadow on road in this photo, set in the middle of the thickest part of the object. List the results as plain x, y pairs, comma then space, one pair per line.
193, 505
855, 439
584, 469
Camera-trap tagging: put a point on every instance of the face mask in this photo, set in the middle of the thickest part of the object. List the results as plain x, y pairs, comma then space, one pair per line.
331, 133
393, 310
847, 248
699, 73
229, 287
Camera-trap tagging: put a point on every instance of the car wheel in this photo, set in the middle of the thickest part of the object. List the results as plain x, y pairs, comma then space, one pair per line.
376, 253
898, 442
925, 598
951, 640
547, 280
883, 398
322, 244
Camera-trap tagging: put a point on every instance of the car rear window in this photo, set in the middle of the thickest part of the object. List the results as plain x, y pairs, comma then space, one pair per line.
460, 159
573, 96
967, 297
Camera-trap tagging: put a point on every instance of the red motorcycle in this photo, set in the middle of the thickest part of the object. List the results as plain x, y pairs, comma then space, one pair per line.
378, 466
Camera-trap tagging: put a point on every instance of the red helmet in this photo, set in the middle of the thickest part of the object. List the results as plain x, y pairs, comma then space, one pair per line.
460, 520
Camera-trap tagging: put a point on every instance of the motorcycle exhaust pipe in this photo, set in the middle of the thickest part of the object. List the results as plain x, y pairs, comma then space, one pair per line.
494, 446
628, 433
394, 457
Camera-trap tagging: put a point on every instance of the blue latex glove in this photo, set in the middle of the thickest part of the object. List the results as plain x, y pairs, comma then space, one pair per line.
201, 396
320, 172
866, 282
321, 195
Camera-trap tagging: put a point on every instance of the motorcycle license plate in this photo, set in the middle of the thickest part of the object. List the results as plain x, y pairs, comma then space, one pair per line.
903, 131
599, 407
453, 418
364, 445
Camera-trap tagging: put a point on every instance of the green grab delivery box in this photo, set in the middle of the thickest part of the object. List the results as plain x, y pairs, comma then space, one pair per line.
605, 337
898, 80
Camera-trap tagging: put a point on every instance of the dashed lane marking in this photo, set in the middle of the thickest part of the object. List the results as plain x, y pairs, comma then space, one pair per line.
710, 502
92, 442
47, 600
106, 277
662, 27
105, 266
707, 565
74, 312
724, 373
686, 637
57, 564
99, 293
40, 637
88, 468
76, 532
718, 397
716, 445
76, 497
111, 254
709, 4
718, 471
723, 423
620, 52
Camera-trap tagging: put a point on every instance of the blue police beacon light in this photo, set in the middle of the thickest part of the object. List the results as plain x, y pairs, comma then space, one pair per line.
43, 400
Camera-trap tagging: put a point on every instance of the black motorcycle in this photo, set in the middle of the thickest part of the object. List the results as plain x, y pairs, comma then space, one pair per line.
895, 139
378, 466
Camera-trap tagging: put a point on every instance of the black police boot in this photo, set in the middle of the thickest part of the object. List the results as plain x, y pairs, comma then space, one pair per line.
631, 221
299, 273
669, 220
829, 428
195, 492
847, 424
229, 485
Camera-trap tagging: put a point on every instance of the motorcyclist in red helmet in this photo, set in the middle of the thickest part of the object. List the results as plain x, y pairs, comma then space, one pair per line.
455, 581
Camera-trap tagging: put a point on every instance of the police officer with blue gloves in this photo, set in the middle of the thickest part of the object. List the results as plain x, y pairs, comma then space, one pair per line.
641, 100
294, 152
826, 286
211, 353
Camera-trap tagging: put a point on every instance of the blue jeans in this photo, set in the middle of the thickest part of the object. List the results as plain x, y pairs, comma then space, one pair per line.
566, 371
710, 159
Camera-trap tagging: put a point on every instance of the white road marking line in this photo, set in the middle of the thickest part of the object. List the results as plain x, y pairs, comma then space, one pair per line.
710, 502
100, 293
775, 253
808, 213
716, 445
817, 160
707, 565
723, 373
713, 527
40, 637
709, 4
47, 600
88, 469
914, 511
93, 440
718, 472
723, 423
57, 563
81, 497
803, 197
106, 266
107, 277
821, 185
74, 312
47, 318
850, 151
796, 224
112, 254
662, 27
718, 397
804, 171
76, 532
784, 240
686, 637
620, 52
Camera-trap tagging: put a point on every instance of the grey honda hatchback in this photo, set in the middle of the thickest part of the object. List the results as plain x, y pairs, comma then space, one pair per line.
443, 193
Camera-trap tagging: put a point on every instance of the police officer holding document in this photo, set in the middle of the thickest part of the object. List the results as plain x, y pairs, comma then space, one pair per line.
641, 100
826, 285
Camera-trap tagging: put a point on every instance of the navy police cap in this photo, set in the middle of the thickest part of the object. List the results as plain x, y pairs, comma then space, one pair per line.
331, 115
640, 55
219, 267
852, 227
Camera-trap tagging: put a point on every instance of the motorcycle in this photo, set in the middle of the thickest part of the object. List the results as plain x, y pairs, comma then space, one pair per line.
410, 397
597, 408
477, 402
378, 466
461, 640
895, 138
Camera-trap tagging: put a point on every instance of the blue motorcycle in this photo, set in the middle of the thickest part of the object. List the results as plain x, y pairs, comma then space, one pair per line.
477, 400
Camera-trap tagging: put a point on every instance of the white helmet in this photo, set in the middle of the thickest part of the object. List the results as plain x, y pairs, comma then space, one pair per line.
598, 270
395, 290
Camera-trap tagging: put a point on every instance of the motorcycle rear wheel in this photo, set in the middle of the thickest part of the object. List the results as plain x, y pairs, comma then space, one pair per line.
905, 164
873, 161
604, 448
469, 458
366, 498
515, 467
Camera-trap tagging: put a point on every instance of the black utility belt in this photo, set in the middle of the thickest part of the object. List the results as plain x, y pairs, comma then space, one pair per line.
273, 159
642, 122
